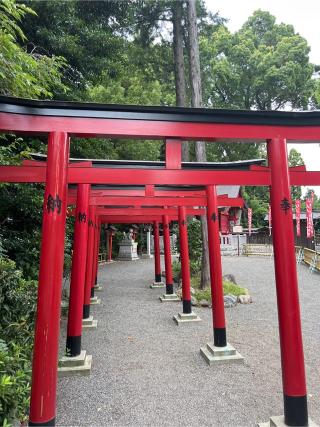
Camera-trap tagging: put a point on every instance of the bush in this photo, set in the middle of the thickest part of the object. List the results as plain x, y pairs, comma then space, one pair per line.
18, 305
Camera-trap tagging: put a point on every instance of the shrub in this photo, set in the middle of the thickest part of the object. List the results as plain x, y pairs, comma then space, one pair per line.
18, 305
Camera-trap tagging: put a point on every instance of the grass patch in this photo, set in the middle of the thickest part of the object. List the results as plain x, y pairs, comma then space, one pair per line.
228, 288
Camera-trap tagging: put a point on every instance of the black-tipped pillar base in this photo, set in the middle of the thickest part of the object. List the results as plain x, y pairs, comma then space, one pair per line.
92, 292
47, 423
220, 337
157, 278
73, 346
169, 289
86, 311
295, 410
186, 304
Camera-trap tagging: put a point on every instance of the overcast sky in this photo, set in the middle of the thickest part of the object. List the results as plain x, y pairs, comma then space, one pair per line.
303, 15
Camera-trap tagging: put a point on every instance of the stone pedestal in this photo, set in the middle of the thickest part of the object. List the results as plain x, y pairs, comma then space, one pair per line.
279, 422
182, 318
155, 285
89, 323
147, 256
128, 250
169, 298
95, 301
97, 288
227, 354
75, 366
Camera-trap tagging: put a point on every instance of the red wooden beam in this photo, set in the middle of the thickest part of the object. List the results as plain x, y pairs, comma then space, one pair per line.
146, 211
150, 129
85, 175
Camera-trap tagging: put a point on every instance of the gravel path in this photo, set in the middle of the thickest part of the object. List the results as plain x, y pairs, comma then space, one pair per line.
148, 372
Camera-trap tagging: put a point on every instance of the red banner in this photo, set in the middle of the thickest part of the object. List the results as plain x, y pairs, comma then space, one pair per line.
270, 220
298, 214
310, 230
249, 220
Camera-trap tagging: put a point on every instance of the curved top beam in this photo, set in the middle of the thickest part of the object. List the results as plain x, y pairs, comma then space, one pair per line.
157, 113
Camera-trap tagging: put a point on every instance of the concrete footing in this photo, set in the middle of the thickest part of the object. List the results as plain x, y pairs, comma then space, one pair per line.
169, 298
182, 318
75, 366
89, 323
227, 354
94, 301
146, 256
157, 285
97, 288
279, 422
110, 262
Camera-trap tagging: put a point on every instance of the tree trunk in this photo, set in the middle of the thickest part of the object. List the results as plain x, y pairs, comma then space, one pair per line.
196, 102
179, 73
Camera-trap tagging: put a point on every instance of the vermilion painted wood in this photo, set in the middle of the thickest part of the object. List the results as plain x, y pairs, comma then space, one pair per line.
149, 129
156, 246
159, 201
173, 153
292, 359
167, 249
218, 315
184, 255
110, 247
23, 174
124, 219
45, 353
79, 256
146, 211
150, 201
89, 263
95, 277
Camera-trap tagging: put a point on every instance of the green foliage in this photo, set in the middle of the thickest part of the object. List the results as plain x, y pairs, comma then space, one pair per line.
229, 288
264, 65
24, 74
18, 303
295, 159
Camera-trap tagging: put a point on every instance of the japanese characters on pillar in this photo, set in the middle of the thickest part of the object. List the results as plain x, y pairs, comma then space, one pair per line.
89, 264
298, 216
291, 345
46, 346
249, 221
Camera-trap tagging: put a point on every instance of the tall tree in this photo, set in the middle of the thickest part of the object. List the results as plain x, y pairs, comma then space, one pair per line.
179, 69
196, 102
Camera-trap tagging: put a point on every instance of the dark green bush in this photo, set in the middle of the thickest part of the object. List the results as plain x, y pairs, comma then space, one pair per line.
18, 305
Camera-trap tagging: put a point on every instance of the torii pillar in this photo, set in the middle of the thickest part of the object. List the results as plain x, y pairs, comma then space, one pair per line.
87, 319
291, 345
46, 339
169, 295
76, 361
187, 314
157, 260
220, 351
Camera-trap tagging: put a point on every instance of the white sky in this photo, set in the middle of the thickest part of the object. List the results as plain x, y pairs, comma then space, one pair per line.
304, 16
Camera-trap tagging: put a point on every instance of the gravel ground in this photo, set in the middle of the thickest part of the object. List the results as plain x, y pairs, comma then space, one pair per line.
148, 372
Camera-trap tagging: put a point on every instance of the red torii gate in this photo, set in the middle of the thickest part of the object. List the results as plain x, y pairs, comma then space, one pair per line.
63, 120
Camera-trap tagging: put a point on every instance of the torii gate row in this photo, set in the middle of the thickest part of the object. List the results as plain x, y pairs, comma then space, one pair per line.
62, 120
